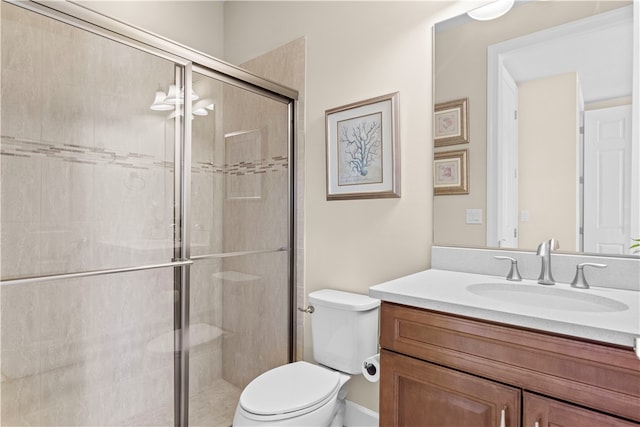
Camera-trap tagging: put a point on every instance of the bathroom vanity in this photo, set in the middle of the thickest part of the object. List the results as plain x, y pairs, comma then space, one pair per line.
451, 356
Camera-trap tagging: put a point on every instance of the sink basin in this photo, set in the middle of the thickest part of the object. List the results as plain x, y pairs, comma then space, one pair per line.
547, 297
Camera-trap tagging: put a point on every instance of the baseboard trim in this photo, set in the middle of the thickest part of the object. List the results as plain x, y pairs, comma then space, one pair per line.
359, 416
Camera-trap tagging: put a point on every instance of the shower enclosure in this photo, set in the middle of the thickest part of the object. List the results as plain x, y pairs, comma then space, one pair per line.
146, 225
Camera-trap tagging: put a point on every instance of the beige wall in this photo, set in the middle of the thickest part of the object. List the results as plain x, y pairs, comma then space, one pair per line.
547, 138
626, 100
197, 24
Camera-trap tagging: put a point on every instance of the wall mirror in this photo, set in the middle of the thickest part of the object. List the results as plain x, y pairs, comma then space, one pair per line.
552, 148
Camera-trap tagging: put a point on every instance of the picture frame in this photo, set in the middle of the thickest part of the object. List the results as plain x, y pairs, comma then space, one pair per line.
450, 173
363, 149
451, 123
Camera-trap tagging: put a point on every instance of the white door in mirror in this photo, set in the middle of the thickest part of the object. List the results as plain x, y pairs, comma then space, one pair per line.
607, 180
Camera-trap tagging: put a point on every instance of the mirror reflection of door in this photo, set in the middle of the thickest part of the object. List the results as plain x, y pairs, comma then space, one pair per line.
607, 180
507, 215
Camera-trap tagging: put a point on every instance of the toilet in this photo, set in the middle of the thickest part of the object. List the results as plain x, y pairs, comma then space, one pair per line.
344, 330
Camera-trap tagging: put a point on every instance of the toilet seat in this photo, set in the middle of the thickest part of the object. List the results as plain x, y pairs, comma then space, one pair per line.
289, 391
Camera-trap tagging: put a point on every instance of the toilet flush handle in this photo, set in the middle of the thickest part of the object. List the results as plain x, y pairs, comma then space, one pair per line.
309, 309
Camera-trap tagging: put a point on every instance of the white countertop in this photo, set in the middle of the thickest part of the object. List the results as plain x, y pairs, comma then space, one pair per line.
446, 291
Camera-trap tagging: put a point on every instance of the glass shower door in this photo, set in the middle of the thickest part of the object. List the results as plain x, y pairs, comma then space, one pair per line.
240, 244
87, 193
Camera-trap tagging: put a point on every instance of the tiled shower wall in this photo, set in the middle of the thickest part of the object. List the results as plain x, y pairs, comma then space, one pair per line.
240, 203
87, 183
256, 217
286, 65
91, 163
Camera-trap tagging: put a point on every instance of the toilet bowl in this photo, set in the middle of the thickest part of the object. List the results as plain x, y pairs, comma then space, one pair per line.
297, 394
344, 331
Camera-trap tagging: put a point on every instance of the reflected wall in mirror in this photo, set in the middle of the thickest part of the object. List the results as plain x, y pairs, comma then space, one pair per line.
551, 150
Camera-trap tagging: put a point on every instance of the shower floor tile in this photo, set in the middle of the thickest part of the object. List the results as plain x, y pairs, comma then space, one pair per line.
211, 406
215, 405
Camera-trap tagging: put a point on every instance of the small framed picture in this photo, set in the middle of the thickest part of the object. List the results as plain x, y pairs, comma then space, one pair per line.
450, 124
363, 149
450, 173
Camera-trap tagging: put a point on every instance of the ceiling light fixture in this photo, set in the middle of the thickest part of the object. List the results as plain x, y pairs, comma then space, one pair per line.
492, 10
159, 104
173, 97
194, 96
200, 107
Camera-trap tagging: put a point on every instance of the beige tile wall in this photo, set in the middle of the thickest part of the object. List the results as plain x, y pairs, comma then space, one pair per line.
286, 65
255, 212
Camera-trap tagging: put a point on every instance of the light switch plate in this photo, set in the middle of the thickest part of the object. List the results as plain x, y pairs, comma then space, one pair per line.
474, 216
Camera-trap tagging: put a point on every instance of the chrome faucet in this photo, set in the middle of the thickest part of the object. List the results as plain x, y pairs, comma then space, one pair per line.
544, 250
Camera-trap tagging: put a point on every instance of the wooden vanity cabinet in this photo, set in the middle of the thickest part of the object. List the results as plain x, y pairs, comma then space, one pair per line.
542, 411
444, 370
427, 394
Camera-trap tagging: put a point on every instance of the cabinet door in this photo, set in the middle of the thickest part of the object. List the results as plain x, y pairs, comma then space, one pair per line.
417, 393
544, 412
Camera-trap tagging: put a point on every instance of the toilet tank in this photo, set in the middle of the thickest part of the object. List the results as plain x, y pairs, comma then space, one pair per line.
344, 329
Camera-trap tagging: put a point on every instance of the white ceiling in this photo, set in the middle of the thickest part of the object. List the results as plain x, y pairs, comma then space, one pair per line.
602, 58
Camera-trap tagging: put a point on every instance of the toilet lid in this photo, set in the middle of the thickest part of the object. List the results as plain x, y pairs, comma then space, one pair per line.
289, 388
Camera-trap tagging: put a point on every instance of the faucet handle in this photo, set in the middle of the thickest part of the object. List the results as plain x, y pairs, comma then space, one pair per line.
514, 274
580, 281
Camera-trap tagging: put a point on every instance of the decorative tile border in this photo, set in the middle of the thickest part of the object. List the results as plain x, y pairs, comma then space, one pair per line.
26, 148
20, 147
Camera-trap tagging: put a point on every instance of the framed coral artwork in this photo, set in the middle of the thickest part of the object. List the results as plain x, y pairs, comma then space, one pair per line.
363, 149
